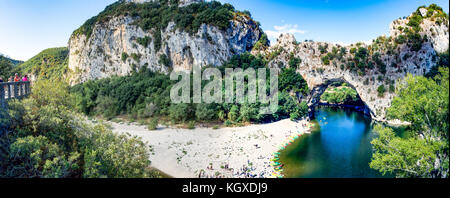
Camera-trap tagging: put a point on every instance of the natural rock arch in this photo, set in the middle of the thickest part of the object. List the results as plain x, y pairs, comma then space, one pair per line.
316, 92
316, 73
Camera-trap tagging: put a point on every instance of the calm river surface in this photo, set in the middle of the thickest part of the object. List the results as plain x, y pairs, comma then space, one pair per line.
339, 148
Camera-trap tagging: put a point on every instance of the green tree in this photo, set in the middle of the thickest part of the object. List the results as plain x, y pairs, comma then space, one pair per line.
290, 80
411, 157
424, 103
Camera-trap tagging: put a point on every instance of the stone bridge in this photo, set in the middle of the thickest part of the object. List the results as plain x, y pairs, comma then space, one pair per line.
316, 92
367, 83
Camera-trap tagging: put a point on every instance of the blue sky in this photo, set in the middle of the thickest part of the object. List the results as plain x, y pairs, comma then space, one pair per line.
30, 26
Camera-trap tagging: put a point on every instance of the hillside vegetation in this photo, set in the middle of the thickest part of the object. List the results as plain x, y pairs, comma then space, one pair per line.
47, 139
7, 66
49, 64
12, 61
156, 15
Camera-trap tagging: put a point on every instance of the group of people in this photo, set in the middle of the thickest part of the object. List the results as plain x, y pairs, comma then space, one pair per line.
16, 78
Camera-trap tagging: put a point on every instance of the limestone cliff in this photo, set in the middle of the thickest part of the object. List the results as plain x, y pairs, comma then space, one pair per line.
411, 48
117, 44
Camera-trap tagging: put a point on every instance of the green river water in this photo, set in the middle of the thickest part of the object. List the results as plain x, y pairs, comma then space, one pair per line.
339, 148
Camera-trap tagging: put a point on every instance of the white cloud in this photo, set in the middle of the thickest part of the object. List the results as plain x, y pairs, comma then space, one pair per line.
287, 28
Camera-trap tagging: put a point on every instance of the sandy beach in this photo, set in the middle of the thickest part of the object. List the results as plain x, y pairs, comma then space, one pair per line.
227, 152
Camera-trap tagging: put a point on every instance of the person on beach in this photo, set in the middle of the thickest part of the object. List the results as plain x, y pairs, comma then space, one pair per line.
16, 78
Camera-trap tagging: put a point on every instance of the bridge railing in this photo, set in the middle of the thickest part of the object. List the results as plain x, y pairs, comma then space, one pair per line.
18, 90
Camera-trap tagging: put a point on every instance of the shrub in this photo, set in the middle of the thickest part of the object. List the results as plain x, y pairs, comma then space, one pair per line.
115, 156
164, 60
248, 112
326, 60
233, 115
180, 112
157, 44
191, 125
391, 88
153, 125
400, 39
294, 62
228, 123
415, 41
206, 112
343, 51
262, 42
144, 41
323, 48
415, 20
381, 90
40, 157
124, 56
136, 57
362, 53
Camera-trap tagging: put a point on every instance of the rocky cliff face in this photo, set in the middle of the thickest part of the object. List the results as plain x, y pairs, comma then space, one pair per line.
386, 61
118, 46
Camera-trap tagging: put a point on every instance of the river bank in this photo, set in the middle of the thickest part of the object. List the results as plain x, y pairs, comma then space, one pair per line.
238, 152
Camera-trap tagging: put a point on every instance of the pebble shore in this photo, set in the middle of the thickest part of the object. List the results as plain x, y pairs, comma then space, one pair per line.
238, 152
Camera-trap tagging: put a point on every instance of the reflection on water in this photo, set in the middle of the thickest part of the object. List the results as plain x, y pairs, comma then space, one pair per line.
339, 148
